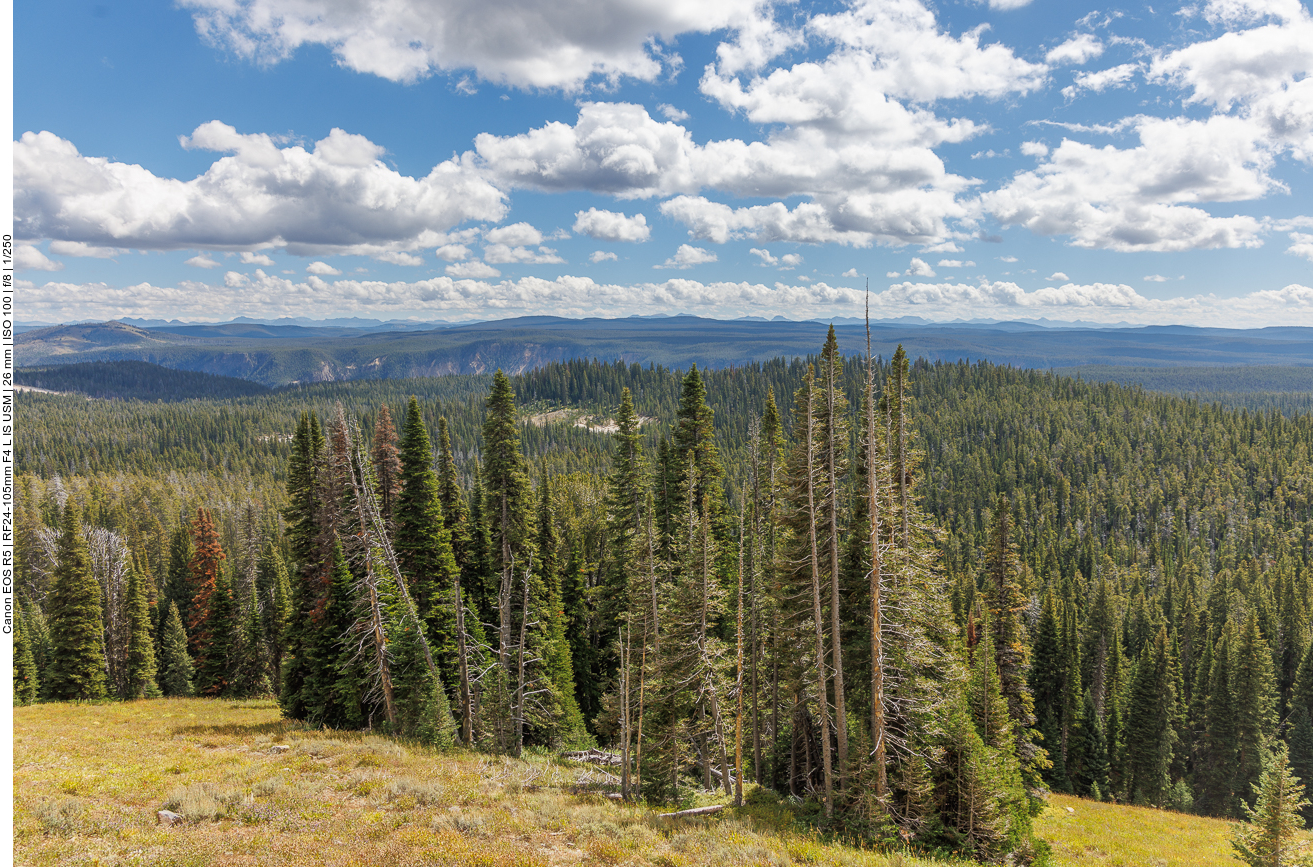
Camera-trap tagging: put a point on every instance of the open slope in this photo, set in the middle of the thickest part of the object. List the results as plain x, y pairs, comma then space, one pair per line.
88, 780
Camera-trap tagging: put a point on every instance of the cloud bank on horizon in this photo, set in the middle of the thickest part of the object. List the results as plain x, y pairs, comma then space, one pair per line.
862, 138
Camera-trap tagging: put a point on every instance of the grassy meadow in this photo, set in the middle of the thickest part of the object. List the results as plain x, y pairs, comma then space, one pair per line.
89, 779
1090, 834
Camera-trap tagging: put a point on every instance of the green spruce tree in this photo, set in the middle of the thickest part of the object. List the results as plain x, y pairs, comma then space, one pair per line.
27, 681
175, 670
423, 545
1271, 838
140, 670
77, 667
216, 640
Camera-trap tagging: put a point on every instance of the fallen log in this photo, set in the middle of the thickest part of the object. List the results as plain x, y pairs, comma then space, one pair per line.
593, 757
696, 811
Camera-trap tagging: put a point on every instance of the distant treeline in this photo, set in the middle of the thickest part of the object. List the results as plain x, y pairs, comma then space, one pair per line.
136, 380
1287, 389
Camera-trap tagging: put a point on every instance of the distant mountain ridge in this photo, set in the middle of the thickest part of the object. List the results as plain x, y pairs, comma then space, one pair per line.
279, 354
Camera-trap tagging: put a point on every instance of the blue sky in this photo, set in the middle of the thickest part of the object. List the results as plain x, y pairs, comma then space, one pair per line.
464, 159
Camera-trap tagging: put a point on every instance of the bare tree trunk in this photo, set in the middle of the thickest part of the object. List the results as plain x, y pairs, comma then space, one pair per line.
836, 644
720, 736
380, 642
642, 681
889, 443
900, 384
738, 685
877, 602
519, 677
624, 714
463, 661
652, 587
705, 748
822, 697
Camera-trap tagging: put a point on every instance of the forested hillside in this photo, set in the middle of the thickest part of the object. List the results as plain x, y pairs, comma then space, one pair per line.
1073, 585
135, 380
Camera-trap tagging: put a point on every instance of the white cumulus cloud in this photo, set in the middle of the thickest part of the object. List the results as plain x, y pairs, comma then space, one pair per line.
919, 268
1077, 50
525, 43
467, 295
687, 256
612, 226
201, 260
28, 258
602, 256
396, 257
471, 270
310, 201
323, 269
1146, 197
453, 252
82, 250
1302, 246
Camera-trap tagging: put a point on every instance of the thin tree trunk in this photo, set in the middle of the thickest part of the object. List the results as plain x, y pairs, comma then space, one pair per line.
624, 714
380, 644
702, 634
877, 602
519, 679
720, 736
900, 380
738, 717
462, 654
642, 679
822, 696
836, 644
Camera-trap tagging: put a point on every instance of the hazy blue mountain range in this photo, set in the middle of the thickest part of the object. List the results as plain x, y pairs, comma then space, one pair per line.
279, 354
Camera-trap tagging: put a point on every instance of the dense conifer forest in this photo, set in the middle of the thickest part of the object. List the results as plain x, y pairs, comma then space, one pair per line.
914, 596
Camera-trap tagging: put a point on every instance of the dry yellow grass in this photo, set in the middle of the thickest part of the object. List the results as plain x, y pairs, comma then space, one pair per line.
1092, 834
88, 780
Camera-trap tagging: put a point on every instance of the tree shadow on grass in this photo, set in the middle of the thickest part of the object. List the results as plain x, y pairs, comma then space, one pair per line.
276, 727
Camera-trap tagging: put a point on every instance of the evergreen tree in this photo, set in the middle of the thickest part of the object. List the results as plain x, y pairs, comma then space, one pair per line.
27, 681
1150, 736
1217, 765
1271, 837
989, 708
1253, 686
1301, 721
216, 640
205, 569
1006, 604
336, 685
1047, 683
422, 709
177, 577
1092, 781
175, 670
140, 670
569, 721
387, 465
478, 576
455, 514
274, 594
307, 593
250, 658
423, 545
77, 666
